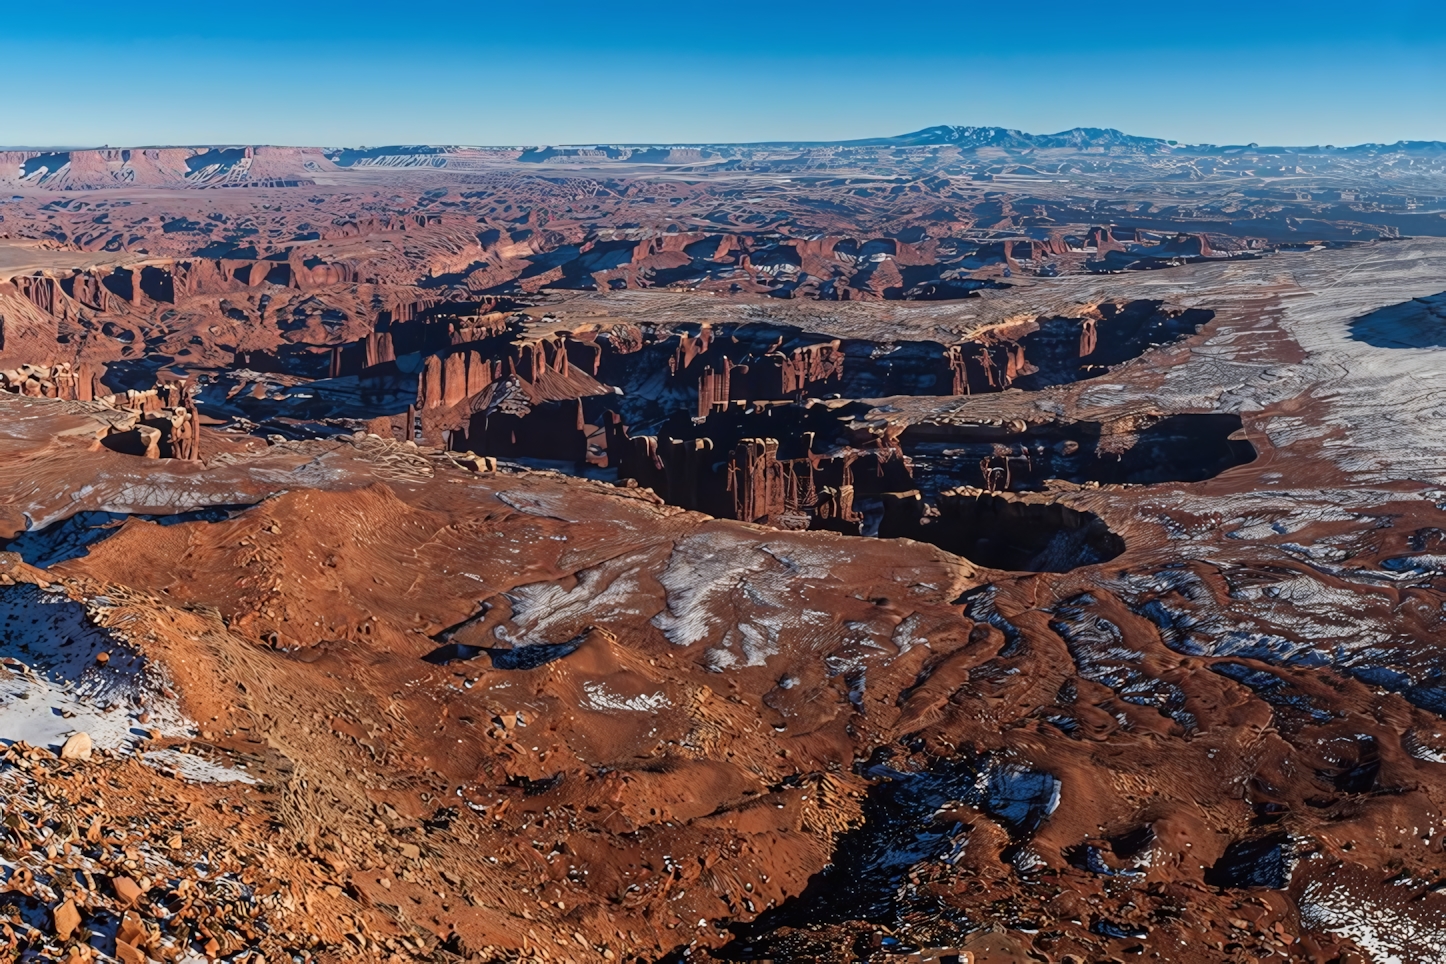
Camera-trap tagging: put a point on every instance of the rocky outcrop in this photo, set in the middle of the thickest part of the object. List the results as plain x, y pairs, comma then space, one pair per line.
539, 398
160, 423
61, 380
814, 492
179, 432
506, 421
1037, 534
1058, 350
469, 328
1103, 241
800, 475
807, 370
544, 365
378, 347
524, 399
448, 379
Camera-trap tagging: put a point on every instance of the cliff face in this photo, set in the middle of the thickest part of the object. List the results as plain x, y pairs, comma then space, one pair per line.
756, 444
162, 167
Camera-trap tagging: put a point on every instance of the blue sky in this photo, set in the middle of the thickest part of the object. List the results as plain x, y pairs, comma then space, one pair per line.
443, 71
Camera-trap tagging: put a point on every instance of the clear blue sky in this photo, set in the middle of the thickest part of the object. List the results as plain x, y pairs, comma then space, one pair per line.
445, 71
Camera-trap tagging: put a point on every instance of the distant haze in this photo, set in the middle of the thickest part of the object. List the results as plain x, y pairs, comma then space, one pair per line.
968, 139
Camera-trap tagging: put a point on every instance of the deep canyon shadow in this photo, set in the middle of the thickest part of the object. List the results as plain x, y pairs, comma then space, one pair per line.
1418, 323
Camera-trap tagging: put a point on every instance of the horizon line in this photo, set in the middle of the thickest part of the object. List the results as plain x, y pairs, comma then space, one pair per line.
878, 141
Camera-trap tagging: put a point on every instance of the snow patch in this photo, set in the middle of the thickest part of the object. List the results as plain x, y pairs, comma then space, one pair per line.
542, 611
600, 698
742, 598
53, 683
1388, 933
197, 769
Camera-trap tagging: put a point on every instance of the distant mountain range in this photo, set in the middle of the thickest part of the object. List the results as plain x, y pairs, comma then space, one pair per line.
275, 166
942, 135
1078, 138
1086, 137
1083, 138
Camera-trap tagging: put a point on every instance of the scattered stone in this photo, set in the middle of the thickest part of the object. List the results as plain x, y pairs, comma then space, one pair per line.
78, 747
129, 954
476, 463
66, 919
131, 930
127, 891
